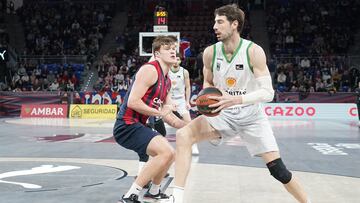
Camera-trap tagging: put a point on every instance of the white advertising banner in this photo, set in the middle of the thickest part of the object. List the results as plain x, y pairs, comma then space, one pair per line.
342, 111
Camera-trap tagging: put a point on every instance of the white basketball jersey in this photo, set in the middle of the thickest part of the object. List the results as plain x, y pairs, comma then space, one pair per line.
177, 84
234, 75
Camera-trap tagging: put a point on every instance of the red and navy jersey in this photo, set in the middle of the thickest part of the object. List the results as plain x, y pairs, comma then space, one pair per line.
154, 97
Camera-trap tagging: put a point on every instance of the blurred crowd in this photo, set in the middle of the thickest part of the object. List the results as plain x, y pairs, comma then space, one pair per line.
65, 28
309, 42
58, 29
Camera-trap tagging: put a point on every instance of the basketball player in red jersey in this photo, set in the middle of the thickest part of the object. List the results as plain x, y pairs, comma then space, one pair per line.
148, 96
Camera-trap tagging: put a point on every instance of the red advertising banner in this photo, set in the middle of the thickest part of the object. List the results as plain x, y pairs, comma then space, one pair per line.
10, 102
44, 110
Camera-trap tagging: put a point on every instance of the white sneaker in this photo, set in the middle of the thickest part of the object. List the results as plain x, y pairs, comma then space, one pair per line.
195, 149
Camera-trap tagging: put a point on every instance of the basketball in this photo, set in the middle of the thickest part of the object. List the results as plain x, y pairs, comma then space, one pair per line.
203, 101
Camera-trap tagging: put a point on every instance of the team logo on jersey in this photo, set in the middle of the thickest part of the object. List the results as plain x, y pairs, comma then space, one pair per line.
217, 66
157, 102
239, 67
230, 81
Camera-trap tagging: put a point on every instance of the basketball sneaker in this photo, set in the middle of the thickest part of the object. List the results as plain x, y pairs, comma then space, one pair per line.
160, 197
132, 199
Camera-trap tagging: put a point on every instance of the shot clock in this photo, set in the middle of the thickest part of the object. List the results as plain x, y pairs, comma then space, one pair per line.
161, 17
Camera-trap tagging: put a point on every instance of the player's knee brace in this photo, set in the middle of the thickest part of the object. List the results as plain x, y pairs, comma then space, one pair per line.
279, 171
143, 157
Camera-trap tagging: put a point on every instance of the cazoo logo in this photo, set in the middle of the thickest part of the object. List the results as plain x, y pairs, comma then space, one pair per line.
290, 111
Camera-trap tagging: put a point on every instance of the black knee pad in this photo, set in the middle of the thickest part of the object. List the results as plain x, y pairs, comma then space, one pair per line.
143, 157
279, 171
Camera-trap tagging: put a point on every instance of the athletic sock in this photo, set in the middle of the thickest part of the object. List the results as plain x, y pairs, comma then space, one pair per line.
154, 189
134, 189
178, 193
141, 166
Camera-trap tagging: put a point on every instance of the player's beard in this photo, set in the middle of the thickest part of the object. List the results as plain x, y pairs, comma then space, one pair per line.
226, 36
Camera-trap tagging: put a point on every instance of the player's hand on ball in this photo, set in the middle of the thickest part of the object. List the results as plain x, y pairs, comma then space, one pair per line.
167, 109
225, 101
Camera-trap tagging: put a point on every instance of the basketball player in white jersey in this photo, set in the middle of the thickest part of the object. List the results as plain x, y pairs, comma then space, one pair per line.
180, 93
238, 68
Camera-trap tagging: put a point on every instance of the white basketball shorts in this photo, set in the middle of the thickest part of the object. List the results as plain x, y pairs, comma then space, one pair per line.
250, 123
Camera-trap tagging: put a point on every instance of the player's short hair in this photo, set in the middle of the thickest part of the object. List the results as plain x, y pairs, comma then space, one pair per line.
232, 13
163, 40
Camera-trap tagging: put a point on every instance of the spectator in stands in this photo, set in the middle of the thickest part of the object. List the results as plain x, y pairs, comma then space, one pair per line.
32, 77
25, 79
21, 70
305, 63
62, 84
115, 87
112, 68
123, 86
37, 72
98, 84
18, 87
319, 85
289, 40
294, 87
119, 77
106, 87
50, 77
326, 75
329, 86
345, 81
36, 86
108, 79
74, 81
70, 86
101, 69
281, 79
54, 86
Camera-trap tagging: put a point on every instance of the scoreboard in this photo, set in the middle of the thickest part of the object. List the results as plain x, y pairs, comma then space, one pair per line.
160, 28
160, 20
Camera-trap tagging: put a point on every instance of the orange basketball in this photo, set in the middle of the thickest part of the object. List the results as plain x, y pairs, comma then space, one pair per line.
203, 101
